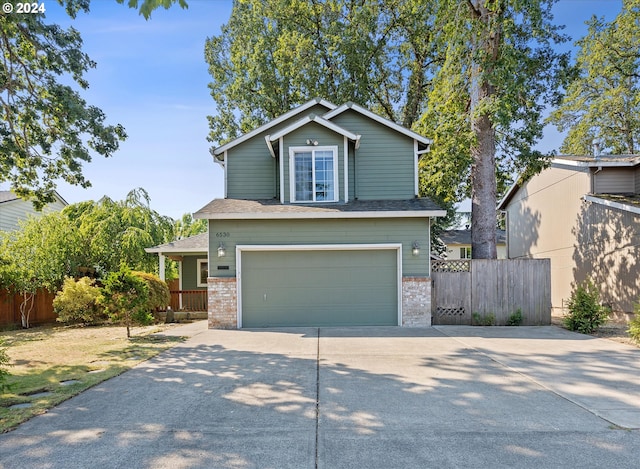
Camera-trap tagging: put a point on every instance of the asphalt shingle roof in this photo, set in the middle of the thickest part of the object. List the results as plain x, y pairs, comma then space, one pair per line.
220, 208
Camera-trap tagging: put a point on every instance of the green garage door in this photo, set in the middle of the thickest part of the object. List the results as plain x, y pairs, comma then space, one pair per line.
319, 288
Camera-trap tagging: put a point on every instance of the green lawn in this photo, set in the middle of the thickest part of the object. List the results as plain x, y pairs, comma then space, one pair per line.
63, 361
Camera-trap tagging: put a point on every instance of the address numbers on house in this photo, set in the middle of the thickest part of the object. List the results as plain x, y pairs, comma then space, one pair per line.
223, 234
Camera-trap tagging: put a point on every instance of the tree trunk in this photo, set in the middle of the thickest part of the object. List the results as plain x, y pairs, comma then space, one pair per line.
25, 308
483, 191
483, 168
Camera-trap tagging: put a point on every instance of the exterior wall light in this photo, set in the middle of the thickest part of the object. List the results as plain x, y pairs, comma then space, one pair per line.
311, 141
222, 251
415, 248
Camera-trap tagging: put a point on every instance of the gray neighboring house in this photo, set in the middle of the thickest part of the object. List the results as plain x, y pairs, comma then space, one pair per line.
458, 244
13, 209
321, 223
583, 213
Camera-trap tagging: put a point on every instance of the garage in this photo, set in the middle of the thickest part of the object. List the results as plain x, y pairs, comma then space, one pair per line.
318, 286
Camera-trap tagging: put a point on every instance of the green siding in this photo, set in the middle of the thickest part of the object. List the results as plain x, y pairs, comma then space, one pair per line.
385, 161
190, 272
319, 288
340, 231
251, 170
325, 137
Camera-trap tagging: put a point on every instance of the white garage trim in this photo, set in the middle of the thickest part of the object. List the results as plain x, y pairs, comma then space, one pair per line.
317, 247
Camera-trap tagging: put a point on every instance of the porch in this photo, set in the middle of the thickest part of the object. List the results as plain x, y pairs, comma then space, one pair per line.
189, 300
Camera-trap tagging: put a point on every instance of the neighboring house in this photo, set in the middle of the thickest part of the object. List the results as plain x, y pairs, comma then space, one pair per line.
584, 214
458, 244
13, 209
321, 223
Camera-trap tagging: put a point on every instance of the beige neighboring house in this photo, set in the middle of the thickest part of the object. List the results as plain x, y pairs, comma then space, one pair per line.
458, 244
13, 209
583, 213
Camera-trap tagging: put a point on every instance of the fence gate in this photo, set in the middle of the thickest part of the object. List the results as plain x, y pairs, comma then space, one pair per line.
451, 292
496, 287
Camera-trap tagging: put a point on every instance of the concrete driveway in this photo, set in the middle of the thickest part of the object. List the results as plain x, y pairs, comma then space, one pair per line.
443, 397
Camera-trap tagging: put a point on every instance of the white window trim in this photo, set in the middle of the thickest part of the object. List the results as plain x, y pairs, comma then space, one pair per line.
292, 175
199, 262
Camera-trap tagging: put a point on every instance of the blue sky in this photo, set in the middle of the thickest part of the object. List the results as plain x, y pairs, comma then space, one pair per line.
152, 78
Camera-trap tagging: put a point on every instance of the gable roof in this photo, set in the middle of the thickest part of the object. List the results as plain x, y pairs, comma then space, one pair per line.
318, 120
589, 161
193, 244
381, 120
9, 196
278, 120
579, 162
464, 237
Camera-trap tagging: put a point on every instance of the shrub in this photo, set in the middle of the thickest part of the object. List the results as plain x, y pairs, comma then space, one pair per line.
78, 302
515, 319
483, 320
125, 298
159, 295
4, 362
586, 314
634, 324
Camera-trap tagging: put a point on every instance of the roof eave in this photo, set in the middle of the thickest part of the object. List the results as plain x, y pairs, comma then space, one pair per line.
321, 215
272, 123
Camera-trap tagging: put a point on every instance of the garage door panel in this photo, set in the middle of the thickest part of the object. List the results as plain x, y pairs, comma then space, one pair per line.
319, 288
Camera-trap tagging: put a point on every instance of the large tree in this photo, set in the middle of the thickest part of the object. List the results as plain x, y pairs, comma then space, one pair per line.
275, 54
603, 102
38, 256
113, 233
47, 130
485, 109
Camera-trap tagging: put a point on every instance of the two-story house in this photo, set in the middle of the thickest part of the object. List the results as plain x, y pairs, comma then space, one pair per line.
583, 212
321, 224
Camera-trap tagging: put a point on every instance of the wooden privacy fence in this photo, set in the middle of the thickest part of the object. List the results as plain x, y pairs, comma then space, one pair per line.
41, 313
499, 287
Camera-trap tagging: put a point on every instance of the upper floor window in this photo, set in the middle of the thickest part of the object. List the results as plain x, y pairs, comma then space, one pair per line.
314, 174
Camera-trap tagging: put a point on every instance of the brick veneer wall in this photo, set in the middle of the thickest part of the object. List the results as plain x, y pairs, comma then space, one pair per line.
222, 299
416, 301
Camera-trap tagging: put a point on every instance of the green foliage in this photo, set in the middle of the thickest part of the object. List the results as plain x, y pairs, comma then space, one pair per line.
586, 314
77, 302
159, 295
486, 101
187, 226
37, 256
603, 100
125, 298
634, 324
4, 362
515, 319
47, 130
478, 319
267, 60
117, 232
146, 7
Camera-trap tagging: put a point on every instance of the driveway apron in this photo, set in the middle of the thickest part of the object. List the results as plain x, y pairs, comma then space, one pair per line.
353, 397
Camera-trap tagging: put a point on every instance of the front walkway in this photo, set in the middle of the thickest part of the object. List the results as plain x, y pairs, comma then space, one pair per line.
352, 398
